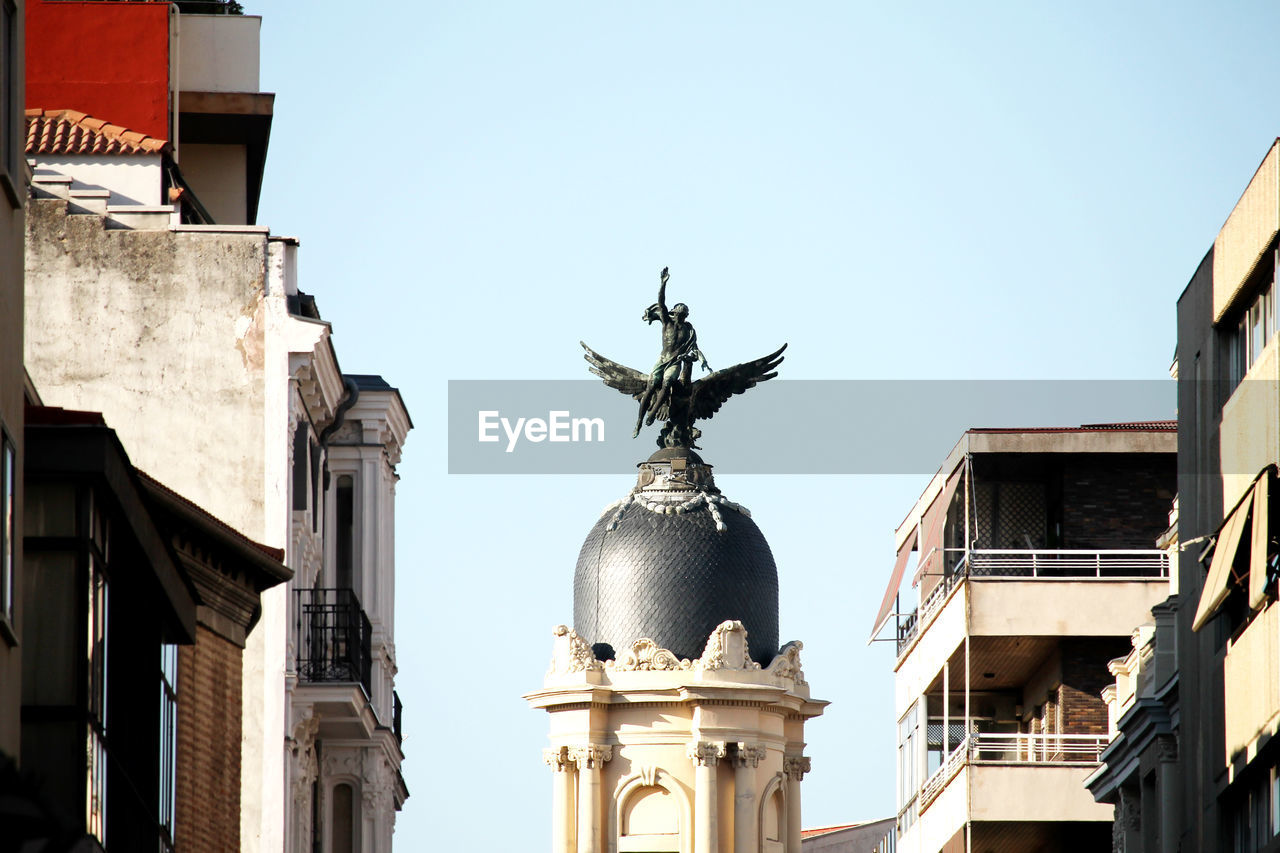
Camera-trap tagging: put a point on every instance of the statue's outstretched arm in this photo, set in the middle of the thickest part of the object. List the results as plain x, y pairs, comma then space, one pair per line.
662, 298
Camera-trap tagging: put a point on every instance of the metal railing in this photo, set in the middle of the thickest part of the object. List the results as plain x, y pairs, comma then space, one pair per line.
1040, 564
1037, 748
397, 714
334, 637
934, 784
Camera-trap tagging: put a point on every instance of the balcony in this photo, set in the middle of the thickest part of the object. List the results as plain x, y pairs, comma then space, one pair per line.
1017, 750
397, 714
1030, 565
333, 638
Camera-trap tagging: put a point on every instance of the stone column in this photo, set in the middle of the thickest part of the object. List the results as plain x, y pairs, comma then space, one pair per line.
745, 760
563, 837
589, 759
706, 830
795, 766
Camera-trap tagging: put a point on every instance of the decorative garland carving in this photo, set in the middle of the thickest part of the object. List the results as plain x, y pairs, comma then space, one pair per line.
572, 654
646, 655
787, 663
712, 502
727, 649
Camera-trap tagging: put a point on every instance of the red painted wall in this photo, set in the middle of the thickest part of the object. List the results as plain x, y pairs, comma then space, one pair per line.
109, 60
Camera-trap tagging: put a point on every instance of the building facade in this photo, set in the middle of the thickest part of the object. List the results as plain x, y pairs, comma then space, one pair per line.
154, 299
1229, 447
1033, 557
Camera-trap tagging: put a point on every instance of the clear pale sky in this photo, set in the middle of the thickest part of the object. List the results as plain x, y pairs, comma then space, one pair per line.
900, 191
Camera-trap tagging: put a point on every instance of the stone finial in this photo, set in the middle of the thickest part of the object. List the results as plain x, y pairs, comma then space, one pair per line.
786, 664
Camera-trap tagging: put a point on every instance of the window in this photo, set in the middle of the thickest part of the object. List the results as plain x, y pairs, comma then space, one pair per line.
344, 822
908, 755
10, 155
1249, 335
8, 548
168, 741
96, 655
300, 485
344, 536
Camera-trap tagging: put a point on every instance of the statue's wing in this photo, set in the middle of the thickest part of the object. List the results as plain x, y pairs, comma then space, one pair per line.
616, 375
710, 392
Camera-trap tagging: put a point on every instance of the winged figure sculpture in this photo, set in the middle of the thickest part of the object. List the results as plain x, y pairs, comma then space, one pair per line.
668, 393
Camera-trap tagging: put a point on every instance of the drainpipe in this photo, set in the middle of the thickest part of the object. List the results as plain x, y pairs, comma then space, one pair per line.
339, 417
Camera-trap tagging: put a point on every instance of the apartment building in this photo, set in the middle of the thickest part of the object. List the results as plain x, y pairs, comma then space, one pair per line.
1229, 449
153, 298
1033, 554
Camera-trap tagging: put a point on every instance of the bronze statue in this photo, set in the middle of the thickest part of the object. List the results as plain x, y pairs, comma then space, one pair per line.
668, 392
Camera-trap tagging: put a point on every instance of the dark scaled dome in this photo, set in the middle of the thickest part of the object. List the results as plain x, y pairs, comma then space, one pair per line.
670, 562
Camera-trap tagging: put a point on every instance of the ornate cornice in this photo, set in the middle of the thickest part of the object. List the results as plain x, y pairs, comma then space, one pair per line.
645, 655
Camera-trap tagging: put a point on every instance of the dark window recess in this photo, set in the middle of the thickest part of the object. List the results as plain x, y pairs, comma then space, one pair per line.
344, 536
300, 468
315, 486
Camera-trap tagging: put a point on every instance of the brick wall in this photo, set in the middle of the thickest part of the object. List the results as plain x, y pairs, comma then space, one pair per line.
1084, 675
1116, 502
209, 722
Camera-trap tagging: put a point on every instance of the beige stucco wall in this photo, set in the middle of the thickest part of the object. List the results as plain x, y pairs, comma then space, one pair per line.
1000, 792
218, 53
1063, 608
1252, 684
922, 663
162, 332
216, 174
1250, 431
1247, 233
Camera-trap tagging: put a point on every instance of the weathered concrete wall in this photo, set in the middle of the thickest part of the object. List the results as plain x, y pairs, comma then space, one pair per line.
162, 332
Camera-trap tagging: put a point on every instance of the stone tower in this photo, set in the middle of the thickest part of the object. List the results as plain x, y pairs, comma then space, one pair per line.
677, 722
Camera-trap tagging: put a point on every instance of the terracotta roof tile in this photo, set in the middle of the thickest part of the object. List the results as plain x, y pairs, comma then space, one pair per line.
72, 132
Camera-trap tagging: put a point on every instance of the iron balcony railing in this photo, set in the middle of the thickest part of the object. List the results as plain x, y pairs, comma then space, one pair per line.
1047, 565
397, 714
333, 637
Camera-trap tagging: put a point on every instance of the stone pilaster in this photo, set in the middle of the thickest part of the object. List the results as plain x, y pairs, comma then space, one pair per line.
794, 766
746, 758
590, 759
706, 829
563, 834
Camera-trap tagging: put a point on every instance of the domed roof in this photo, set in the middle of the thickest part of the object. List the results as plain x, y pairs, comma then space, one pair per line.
670, 562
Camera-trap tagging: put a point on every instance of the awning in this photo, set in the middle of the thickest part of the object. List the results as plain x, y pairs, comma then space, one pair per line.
934, 523
895, 581
1218, 584
1258, 548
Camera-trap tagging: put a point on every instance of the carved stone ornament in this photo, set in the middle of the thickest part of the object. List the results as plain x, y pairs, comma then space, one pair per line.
302, 757
748, 755
377, 786
795, 766
1167, 746
787, 663
571, 653
591, 756
342, 762
557, 758
645, 655
705, 753
727, 649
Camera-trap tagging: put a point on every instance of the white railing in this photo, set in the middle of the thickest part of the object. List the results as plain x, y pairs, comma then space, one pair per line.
1041, 564
1037, 748
934, 784
1070, 564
